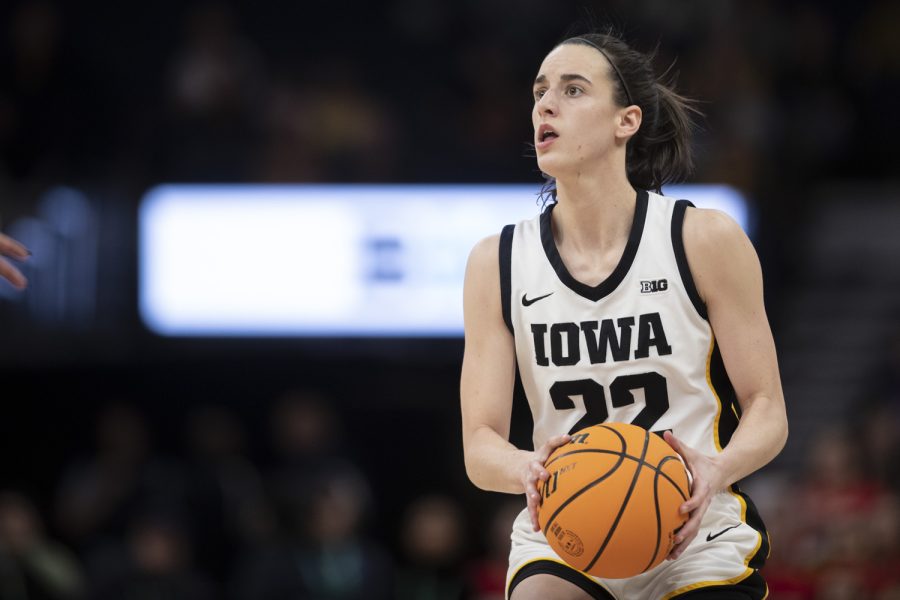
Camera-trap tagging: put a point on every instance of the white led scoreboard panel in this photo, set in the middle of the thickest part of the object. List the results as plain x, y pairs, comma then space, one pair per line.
326, 260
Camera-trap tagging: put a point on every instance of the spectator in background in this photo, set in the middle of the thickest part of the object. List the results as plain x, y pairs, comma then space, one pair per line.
99, 496
324, 553
154, 564
305, 428
884, 539
834, 503
886, 378
835, 486
433, 543
325, 125
489, 134
320, 498
879, 443
486, 574
35, 96
839, 528
13, 249
32, 566
215, 88
789, 568
309, 442
226, 501
339, 561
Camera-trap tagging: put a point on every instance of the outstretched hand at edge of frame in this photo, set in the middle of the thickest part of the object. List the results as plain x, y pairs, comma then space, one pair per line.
13, 249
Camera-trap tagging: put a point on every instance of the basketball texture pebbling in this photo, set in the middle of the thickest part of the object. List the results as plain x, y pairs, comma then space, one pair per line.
611, 505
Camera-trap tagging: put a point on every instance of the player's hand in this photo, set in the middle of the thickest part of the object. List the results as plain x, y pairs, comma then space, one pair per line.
13, 249
535, 474
707, 481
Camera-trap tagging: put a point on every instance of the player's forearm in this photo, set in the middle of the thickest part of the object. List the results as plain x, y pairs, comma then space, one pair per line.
759, 437
493, 464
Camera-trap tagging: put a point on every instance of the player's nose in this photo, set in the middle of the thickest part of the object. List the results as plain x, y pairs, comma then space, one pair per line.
546, 104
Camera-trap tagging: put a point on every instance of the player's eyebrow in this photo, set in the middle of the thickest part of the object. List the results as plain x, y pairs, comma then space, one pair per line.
565, 77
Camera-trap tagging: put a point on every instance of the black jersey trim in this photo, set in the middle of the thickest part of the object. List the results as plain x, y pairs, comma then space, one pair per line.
729, 408
605, 287
521, 421
727, 422
758, 559
681, 257
549, 567
506, 240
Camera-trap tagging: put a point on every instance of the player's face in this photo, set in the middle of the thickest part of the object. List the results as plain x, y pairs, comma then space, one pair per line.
574, 115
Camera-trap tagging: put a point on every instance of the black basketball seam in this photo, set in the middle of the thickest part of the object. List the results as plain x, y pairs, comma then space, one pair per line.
612, 529
658, 517
584, 489
571, 498
622, 455
656, 477
684, 496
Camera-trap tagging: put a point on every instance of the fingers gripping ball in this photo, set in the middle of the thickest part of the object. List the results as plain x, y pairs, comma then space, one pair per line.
610, 506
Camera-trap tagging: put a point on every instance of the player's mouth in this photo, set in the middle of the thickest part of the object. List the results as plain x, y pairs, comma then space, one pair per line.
544, 136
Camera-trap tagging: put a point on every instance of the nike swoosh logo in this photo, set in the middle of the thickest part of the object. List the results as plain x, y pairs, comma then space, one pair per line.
527, 302
710, 537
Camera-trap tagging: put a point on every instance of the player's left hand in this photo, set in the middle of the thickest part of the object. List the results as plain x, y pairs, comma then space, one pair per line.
707, 480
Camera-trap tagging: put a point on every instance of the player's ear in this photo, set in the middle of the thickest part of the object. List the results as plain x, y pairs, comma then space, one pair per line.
628, 121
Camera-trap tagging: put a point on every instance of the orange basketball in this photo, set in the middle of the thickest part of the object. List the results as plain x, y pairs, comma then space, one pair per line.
610, 506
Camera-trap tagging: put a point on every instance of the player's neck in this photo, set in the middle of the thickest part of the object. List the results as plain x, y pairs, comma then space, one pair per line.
594, 211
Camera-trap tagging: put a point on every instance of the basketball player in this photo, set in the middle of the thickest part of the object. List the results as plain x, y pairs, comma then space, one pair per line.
620, 304
12, 248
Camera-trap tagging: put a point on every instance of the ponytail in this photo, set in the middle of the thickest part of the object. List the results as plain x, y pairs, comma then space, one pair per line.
660, 151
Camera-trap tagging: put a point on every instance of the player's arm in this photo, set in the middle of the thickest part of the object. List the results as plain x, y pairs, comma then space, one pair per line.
728, 277
486, 387
12, 248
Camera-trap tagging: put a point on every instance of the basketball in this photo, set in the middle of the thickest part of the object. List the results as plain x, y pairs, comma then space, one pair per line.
610, 505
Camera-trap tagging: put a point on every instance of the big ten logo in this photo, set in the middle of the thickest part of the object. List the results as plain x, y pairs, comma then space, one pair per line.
552, 482
654, 285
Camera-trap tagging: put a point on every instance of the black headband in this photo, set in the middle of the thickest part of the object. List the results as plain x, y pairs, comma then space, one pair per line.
610, 61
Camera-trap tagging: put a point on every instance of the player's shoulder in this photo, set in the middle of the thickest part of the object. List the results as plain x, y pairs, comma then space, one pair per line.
485, 248
709, 229
718, 251
484, 258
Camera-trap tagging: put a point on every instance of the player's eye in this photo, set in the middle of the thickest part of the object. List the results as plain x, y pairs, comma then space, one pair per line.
573, 91
539, 93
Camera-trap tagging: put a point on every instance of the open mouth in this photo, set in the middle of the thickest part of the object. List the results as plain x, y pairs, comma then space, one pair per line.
545, 136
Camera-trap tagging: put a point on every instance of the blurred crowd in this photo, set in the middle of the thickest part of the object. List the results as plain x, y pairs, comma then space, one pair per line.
111, 101
835, 524
308, 517
127, 521
424, 90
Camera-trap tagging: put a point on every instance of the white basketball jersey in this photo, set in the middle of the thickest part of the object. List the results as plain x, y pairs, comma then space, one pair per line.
636, 348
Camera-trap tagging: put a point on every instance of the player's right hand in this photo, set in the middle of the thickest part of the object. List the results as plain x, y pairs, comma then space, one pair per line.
12, 248
535, 474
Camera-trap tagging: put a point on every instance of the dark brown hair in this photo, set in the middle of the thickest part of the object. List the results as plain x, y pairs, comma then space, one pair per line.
660, 151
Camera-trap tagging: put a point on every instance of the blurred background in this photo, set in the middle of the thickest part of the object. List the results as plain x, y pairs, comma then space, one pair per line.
141, 466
